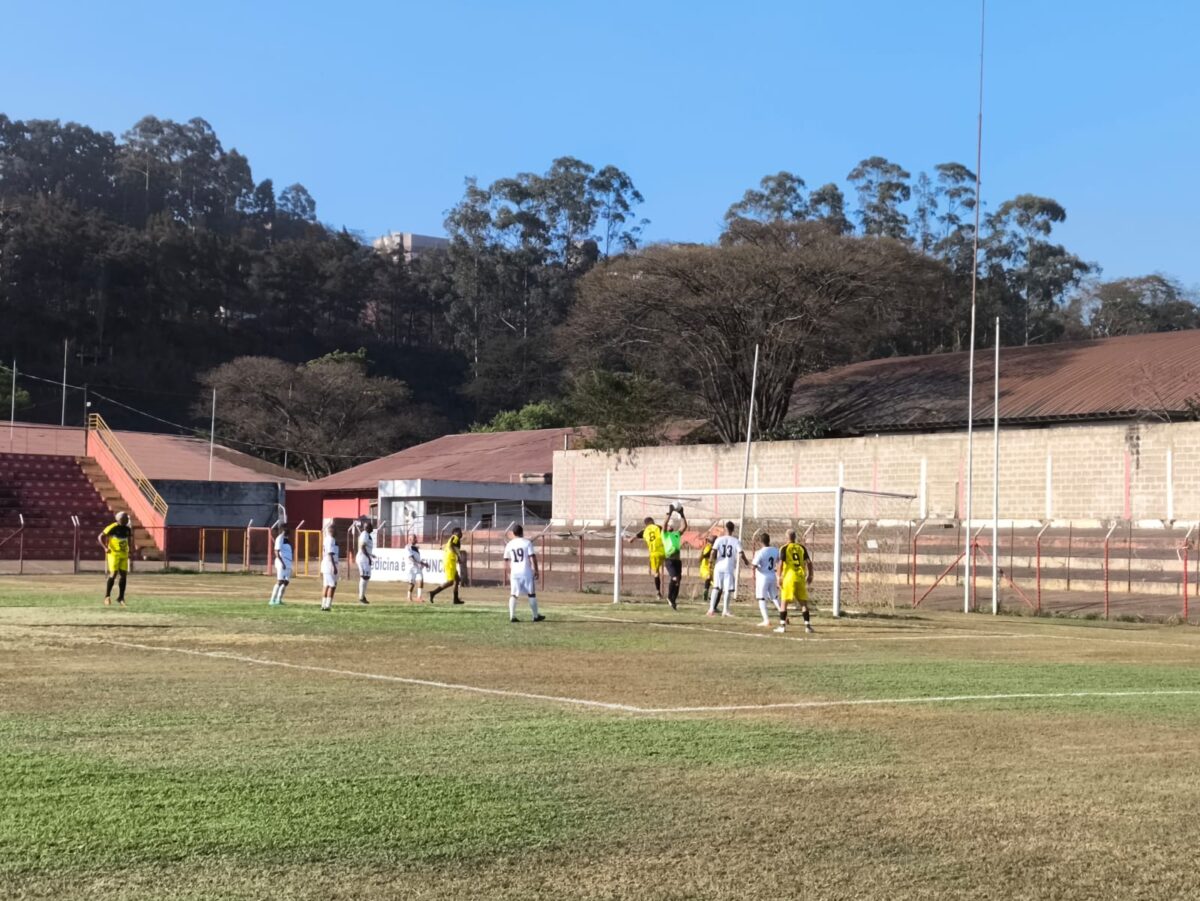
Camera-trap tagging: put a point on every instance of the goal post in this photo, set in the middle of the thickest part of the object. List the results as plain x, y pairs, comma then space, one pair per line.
856, 535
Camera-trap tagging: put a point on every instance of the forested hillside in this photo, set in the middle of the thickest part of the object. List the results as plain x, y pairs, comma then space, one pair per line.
164, 262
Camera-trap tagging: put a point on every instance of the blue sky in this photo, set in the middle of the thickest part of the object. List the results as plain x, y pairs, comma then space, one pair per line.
381, 109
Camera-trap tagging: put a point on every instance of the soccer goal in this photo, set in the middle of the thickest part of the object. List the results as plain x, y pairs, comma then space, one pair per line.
857, 538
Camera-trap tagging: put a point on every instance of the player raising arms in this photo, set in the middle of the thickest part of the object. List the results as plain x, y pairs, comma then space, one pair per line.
766, 585
416, 570
365, 559
796, 574
520, 559
652, 535
725, 553
672, 539
453, 579
283, 565
116, 540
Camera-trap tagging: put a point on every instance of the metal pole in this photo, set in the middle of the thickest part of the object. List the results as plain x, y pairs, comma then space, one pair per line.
212, 433
837, 553
617, 551
12, 413
749, 427
974, 294
746, 471
63, 419
996, 478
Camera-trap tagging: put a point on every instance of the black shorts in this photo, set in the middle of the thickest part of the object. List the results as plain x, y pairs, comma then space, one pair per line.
674, 567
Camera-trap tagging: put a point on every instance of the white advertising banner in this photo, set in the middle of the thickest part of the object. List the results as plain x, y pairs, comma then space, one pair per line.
392, 564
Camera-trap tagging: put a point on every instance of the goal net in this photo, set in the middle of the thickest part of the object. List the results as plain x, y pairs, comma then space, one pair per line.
857, 538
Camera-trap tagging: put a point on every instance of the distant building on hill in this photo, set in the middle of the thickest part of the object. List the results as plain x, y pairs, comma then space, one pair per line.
412, 245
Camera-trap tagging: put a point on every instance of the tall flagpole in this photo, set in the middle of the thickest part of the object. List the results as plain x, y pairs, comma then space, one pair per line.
63, 421
212, 434
971, 364
12, 411
996, 477
746, 471
749, 429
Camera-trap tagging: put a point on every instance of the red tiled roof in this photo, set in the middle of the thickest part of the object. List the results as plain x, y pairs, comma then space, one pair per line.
1111, 378
159, 456
473, 457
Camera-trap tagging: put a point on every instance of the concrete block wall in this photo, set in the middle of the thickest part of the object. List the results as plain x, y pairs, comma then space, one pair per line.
1144, 472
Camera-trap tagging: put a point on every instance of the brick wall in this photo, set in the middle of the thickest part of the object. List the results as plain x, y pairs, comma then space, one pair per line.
1101, 472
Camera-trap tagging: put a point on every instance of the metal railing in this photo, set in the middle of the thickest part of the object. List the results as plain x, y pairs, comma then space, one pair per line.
106, 436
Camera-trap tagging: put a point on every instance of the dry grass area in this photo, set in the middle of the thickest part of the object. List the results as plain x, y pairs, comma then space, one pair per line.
202, 745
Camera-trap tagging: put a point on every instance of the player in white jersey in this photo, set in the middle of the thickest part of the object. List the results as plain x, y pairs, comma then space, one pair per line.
283, 565
726, 552
329, 566
766, 583
365, 558
520, 558
416, 570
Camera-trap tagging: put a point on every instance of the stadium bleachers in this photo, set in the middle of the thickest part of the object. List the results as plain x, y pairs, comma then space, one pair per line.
48, 490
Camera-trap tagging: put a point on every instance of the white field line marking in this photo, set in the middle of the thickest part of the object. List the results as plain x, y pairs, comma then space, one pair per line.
379, 677
820, 639
930, 635
943, 699
652, 711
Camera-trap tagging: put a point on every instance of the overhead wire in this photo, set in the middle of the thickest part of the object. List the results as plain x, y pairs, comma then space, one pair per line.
189, 429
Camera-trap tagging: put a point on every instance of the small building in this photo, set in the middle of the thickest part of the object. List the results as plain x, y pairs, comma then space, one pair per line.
408, 243
475, 480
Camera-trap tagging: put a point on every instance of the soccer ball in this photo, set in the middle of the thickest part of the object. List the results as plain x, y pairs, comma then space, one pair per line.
677, 508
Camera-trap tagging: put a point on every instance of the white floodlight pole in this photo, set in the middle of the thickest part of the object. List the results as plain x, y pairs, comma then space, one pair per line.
837, 551
12, 409
212, 434
617, 550
974, 294
746, 471
63, 420
996, 477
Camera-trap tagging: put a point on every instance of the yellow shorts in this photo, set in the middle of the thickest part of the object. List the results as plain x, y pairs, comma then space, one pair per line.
117, 563
793, 588
705, 572
451, 570
656, 562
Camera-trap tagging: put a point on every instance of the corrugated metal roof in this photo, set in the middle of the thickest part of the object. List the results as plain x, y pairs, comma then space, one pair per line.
1126, 377
159, 456
473, 457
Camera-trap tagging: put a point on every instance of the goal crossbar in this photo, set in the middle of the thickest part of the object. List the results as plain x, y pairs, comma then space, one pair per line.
836, 492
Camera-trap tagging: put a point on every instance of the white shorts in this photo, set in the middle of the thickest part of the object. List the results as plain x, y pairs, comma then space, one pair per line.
364, 565
283, 573
416, 577
329, 579
518, 585
725, 580
766, 588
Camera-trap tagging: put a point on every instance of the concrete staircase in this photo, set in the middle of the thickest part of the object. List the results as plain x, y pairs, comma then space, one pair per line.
143, 542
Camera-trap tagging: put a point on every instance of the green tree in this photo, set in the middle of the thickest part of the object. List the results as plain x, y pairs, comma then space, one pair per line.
535, 415
1032, 273
778, 198
6, 392
882, 186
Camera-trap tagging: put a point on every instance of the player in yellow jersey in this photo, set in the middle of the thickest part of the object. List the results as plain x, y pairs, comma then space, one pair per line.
451, 551
706, 564
652, 535
116, 539
795, 575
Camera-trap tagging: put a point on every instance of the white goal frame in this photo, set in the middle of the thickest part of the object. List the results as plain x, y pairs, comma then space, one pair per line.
836, 492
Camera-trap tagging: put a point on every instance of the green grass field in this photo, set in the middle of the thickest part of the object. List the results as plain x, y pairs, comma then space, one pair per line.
201, 745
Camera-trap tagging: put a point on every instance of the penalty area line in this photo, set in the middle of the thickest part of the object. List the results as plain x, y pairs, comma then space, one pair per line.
653, 711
